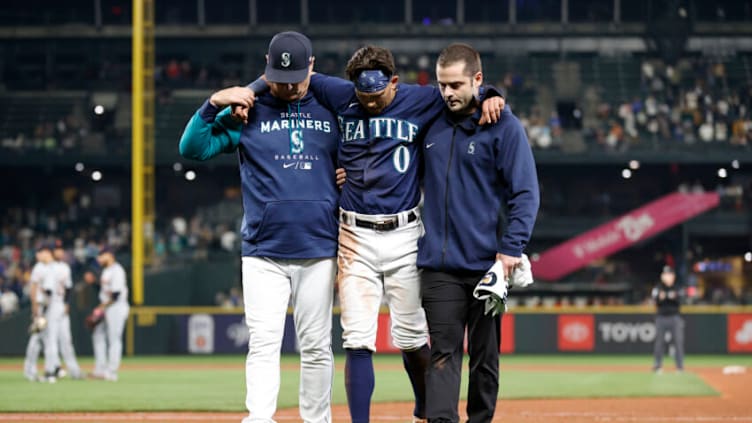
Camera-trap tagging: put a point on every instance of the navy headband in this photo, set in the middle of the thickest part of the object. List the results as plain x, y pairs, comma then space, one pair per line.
371, 81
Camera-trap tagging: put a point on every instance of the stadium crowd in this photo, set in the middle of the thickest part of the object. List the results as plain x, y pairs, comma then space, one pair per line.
690, 103
81, 233
693, 102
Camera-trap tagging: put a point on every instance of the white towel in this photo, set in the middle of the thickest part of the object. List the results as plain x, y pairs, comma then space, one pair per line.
523, 273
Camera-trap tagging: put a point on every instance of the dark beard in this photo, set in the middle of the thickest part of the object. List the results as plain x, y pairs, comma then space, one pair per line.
466, 111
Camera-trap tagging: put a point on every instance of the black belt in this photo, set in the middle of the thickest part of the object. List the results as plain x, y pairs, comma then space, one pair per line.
385, 225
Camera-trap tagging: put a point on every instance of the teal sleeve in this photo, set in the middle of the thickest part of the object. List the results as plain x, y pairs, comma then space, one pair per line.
210, 132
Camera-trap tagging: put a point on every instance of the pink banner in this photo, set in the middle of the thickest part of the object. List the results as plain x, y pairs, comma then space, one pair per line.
620, 233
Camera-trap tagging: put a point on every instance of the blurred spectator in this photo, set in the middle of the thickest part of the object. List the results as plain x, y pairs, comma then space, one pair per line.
8, 299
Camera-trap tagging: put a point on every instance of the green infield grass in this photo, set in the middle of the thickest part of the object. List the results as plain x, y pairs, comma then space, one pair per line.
216, 383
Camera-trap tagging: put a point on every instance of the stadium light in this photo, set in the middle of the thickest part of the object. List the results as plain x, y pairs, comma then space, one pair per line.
96, 176
79, 167
748, 256
722, 173
634, 164
99, 110
626, 173
190, 175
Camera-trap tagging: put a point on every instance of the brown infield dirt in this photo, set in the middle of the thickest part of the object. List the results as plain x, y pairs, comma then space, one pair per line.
733, 405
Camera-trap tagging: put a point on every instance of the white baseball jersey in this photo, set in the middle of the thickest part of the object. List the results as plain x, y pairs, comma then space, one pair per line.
113, 280
64, 273
39, 274
57, 280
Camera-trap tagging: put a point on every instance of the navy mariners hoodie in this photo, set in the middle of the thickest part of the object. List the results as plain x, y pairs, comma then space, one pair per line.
287, 154
470, 172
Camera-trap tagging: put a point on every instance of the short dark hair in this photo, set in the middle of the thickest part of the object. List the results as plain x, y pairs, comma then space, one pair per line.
370, 58
460, 52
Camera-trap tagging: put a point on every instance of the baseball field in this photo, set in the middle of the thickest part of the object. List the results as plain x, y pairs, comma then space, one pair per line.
533, 389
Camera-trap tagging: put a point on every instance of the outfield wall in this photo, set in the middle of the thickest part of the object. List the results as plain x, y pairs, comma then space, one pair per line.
622, 330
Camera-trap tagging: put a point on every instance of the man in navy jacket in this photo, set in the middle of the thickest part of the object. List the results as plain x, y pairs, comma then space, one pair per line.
471, 171
287, 150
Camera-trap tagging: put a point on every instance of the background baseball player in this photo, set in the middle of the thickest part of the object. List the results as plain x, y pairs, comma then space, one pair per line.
287, 150
107, 337
380, 120
62, 273
471, 172
53, 287
38, 304
667, 297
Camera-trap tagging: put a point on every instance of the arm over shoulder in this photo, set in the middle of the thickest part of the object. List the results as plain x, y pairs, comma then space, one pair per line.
210, 132
332, 92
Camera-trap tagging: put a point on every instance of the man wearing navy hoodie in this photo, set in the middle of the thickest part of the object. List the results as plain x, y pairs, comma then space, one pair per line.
471, 172
287, 150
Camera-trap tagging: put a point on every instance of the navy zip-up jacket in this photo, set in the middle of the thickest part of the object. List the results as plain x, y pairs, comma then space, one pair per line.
470, 172
287, 156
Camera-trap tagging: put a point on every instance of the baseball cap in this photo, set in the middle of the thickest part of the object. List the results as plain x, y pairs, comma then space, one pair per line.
668, 269
289, 56
106, 249
43, 247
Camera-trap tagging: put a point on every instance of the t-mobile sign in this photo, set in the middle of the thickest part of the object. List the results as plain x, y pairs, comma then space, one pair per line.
622, 232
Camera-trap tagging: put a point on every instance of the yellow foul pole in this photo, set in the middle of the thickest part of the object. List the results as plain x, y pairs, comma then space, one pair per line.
142, 163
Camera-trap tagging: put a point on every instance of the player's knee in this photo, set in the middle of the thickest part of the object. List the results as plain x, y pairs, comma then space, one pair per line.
409, 340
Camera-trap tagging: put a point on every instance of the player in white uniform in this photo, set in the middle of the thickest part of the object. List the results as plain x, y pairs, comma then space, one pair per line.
54, 288
107, 337
38, 304
62, 272
381, 121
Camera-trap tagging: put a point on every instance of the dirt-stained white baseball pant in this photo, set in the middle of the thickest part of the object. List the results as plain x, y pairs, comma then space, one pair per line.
376, 264
268, 285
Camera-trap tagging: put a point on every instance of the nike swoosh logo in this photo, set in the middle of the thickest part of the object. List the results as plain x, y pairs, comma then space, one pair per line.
429, 145
352, 105
286, 165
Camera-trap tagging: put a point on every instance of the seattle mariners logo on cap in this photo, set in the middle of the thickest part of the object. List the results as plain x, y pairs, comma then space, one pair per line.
289, 58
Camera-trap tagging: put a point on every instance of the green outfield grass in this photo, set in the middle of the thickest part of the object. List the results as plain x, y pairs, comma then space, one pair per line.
216, 383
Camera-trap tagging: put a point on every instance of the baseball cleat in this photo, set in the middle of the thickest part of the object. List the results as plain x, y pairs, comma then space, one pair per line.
60, 373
